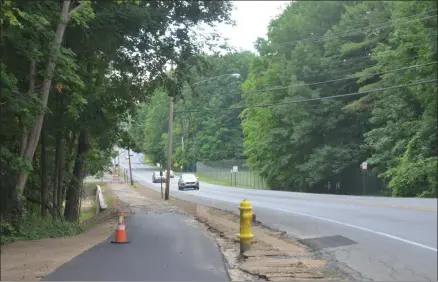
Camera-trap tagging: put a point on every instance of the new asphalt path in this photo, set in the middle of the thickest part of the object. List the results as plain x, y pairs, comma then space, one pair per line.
163, 247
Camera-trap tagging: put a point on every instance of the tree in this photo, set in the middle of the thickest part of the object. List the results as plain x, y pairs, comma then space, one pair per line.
317, 146
104, 59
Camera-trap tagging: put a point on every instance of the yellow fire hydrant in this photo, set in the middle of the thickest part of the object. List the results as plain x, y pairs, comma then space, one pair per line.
245, 234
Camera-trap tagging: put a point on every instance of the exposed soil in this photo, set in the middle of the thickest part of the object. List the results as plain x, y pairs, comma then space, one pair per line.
273, 256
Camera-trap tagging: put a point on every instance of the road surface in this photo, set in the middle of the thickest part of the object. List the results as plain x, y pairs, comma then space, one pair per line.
372, 238
163, 247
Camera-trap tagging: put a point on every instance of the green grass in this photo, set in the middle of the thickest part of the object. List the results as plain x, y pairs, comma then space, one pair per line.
149, 162
34, 227
212, 181
88, 212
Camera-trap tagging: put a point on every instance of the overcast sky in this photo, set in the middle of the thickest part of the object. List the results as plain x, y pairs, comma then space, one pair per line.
252, 19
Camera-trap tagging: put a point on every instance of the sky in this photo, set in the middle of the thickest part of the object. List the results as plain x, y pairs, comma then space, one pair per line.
252, 19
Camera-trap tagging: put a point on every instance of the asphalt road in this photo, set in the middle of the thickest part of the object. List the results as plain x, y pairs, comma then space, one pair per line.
163, 247
376, 238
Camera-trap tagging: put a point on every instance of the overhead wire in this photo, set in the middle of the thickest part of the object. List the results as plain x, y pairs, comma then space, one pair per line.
326, 81
355, 31
369, 56
318, 98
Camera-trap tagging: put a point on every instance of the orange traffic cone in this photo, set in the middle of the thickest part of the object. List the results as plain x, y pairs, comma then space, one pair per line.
121, 231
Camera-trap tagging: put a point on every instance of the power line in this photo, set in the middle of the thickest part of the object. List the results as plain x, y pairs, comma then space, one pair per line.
317, 99
361, 67
380, 54
383, 25
353, 32
328, 81
346, 70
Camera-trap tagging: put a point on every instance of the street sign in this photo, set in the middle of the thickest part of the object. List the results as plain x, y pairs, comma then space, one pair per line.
175, 164
235, 168
364, 165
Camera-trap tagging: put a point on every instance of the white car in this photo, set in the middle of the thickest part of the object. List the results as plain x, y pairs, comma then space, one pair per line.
188, 181
156, 177
172, 175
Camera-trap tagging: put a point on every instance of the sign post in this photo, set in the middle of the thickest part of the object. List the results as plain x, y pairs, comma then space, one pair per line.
161, 183
235, 170
364, 167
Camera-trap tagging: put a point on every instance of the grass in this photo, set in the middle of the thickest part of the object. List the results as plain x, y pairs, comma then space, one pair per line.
33, 227
149, 162
88, 212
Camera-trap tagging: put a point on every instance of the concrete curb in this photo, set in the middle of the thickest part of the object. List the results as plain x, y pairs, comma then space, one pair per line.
100, 200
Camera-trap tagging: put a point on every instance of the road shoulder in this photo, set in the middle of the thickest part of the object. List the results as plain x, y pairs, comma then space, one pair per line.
273, 255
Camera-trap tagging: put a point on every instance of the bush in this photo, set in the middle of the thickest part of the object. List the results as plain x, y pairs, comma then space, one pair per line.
33, 228
414, 179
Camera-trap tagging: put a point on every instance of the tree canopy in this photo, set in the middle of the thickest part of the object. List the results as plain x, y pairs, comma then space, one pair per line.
333, 85
73, 72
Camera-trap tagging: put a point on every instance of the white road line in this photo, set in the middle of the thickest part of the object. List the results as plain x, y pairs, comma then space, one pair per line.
338, 222
332, 221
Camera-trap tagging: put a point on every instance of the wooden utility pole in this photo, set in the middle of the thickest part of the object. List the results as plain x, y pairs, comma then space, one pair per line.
130, 169
169, 144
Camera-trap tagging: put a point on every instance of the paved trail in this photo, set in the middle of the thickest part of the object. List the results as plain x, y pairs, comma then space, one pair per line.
164, 246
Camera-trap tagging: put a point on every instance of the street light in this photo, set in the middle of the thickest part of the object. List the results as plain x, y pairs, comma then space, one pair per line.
169, 137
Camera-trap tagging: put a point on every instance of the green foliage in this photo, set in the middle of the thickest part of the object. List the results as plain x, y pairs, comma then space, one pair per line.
34, 228
215, 136
114, 55
317, 50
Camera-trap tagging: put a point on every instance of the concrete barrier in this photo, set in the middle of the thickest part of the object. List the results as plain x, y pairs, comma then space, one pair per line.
100, 200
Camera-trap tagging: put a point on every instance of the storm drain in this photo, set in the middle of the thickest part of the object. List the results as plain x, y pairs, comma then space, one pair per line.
325, 242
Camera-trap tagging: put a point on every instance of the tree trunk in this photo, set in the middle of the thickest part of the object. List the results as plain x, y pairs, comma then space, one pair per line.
16, 195
34, 134
130, 170
59, 193
43, 179
69, 159
57, 202
71, 211
32, 72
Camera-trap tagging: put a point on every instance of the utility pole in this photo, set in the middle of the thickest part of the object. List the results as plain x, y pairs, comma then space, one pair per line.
182, 146
169, 143
118, 163
130, 170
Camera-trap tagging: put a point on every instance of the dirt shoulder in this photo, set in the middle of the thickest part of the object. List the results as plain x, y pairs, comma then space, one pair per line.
273, 255
34, 259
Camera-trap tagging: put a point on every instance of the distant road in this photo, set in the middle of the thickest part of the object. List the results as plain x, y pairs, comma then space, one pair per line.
375, 238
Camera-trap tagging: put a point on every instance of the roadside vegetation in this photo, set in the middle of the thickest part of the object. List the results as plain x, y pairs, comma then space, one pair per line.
284, 117
69, 83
